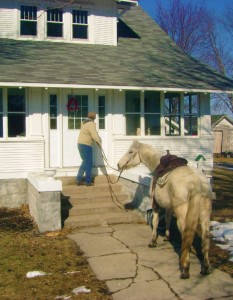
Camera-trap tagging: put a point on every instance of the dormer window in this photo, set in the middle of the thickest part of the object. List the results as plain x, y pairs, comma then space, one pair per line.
80, 24
28, 20
54, 22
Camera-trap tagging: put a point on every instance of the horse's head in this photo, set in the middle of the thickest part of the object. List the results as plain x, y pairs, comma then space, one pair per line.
131, 158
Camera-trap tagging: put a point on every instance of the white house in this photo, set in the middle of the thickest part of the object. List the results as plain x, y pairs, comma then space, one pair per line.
108, 56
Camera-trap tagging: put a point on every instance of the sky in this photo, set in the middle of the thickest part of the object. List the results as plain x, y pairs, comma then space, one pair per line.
217, 6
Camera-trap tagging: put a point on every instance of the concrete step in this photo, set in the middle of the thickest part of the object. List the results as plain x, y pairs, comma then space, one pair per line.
97, 179
73, 190
94, 208
120, 196
102, 219
100, 204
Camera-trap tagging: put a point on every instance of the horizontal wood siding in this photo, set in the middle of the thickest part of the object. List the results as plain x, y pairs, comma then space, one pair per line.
7, 22
25, 156
105, 23
188, 148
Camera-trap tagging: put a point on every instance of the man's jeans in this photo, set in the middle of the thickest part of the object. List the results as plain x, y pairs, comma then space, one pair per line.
86, 166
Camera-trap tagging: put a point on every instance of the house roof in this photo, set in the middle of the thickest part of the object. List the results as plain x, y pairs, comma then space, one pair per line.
216, 119
144, 58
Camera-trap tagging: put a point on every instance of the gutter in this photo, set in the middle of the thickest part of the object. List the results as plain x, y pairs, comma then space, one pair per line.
112, 87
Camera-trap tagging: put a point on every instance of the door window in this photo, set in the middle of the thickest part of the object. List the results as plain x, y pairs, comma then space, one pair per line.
77, 111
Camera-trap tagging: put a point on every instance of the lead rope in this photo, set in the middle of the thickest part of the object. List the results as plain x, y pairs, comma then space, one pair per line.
117, 202
106, 160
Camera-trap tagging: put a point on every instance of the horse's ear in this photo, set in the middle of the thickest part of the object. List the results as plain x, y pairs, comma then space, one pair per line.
136, 144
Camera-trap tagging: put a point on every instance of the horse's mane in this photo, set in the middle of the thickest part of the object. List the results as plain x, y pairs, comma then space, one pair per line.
151, 156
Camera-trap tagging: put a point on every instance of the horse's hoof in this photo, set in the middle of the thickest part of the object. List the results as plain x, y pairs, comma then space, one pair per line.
184, 276
205, 272
166, 239
152, 244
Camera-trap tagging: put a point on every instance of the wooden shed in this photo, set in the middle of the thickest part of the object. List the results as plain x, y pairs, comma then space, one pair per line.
222, 129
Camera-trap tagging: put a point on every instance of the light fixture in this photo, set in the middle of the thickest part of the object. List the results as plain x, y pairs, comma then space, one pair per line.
20, 87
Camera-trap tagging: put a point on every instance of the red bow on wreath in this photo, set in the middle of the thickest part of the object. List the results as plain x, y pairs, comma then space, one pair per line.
72, 104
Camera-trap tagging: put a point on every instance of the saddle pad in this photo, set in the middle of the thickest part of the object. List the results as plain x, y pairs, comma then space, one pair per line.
163, 179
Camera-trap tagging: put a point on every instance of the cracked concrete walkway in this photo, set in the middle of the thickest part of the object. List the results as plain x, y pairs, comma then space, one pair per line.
118, 254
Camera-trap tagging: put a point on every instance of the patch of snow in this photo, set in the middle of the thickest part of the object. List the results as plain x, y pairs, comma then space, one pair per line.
223, 232
81, 289
32, 274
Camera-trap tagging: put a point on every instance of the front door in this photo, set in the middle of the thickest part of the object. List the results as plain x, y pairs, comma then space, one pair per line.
76, 109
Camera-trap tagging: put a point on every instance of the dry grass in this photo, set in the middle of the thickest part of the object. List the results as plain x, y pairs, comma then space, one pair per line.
23, 250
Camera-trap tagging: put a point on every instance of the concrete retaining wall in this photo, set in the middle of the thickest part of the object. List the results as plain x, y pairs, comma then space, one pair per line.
139, 194
45, 208
13, 192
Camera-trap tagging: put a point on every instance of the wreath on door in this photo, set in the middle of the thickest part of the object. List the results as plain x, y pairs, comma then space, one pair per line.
72, 105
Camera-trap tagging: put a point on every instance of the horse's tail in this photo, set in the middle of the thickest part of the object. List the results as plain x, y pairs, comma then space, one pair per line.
191, 222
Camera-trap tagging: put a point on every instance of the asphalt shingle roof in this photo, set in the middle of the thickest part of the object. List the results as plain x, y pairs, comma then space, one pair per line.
148, 59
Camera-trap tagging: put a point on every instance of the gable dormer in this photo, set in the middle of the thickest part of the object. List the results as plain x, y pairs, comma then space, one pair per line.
82, 21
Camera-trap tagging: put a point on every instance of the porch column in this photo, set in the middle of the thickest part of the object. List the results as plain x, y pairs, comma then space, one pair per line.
35, 113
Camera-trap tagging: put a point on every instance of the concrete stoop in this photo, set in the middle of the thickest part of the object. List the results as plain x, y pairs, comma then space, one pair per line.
101, 204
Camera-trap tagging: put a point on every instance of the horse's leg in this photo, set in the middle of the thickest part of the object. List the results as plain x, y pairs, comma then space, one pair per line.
205, 225
153, 242
191, 221
168, 223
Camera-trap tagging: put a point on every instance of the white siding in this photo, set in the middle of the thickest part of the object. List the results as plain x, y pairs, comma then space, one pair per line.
104, 28
21, 156
8, 23
184, 147
102, 21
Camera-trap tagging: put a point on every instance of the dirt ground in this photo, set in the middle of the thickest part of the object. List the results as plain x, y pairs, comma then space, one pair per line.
23, 249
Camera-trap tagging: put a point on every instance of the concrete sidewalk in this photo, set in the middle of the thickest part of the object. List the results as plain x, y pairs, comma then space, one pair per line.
119, 255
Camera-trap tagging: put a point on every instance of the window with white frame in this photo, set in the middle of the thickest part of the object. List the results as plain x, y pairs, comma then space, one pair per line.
54, 22
133, 112
53, 111
1, 113
191, 112
143, 114
101, 108
16, 112
78, 110
80, 24
172, 113
152, 113
28, 20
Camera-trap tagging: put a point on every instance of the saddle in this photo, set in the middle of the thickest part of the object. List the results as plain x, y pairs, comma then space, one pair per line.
168, 163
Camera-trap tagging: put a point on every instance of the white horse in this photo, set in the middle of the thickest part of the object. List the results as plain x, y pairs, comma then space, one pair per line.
186, 193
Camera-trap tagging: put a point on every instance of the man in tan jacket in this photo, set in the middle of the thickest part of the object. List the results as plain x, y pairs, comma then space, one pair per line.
87, 136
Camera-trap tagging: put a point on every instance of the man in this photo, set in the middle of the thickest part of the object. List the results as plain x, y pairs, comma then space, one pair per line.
87, 136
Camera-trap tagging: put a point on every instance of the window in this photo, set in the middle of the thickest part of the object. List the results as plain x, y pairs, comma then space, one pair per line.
132, 112
191, 107
54, 22
172, 113
28, 20
53, 111
152, 113
101, 112
1, 113
75, 118
16, 107
80, 24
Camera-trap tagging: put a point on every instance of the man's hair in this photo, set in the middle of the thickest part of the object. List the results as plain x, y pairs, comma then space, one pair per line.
91, 115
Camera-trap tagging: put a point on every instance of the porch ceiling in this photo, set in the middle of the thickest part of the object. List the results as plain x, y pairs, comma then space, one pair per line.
144, 58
